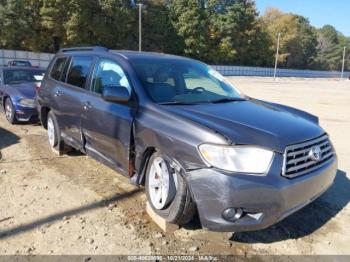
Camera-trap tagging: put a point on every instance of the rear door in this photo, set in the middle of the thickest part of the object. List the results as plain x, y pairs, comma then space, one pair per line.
106, 125
70, 97
51, 87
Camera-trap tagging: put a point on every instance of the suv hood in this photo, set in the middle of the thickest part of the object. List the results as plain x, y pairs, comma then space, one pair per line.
252, 122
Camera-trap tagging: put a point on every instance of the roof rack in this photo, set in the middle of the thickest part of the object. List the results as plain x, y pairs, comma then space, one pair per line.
84, 48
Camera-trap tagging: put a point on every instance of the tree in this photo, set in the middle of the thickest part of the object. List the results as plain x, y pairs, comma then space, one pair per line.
158, 31
330, 33
330, 49
307, 37
214, 31
17, 23
298, 38
54, 16
236, 35
191, 24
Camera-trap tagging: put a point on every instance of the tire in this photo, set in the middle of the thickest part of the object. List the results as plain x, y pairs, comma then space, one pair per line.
178, 207
10, 111
53, 131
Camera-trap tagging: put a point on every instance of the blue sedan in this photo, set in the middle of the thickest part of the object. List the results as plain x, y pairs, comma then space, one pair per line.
18, 91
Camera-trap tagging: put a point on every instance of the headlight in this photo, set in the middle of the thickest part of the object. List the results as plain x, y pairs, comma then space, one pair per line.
243, 159
27, 102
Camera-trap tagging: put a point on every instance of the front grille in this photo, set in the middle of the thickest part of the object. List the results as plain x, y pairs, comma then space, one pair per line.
297, 160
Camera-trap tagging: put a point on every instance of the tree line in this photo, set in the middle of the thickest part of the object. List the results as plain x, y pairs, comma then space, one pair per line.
215, 31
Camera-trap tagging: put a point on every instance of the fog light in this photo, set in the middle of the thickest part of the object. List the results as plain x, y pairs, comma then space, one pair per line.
232, 214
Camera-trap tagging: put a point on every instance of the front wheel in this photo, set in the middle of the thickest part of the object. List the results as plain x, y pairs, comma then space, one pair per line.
10, 111
167, 191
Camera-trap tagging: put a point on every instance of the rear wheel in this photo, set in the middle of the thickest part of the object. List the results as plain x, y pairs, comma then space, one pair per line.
54, 135
52, 130
10, 111
167, 191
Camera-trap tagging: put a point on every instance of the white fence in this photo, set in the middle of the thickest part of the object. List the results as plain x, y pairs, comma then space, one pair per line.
281, 72
36, 59
43, 60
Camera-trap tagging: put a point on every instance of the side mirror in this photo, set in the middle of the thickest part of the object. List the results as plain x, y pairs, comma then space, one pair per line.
115, 94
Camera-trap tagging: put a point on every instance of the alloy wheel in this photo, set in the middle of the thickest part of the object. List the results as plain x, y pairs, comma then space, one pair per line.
51, 132
161, 187
8, 110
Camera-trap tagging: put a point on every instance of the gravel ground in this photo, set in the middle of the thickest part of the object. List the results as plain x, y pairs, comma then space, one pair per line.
71, 204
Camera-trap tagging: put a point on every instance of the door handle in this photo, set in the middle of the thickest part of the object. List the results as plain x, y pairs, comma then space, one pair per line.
87, 105
57, 93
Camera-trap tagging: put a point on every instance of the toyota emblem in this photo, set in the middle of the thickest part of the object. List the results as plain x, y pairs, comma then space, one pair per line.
315, 153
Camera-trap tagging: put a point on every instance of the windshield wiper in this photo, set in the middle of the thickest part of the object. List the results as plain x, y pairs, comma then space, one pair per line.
177, 103
227, 99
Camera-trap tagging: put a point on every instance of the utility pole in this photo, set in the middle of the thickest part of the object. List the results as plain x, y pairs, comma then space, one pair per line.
276, 59
343, 64
140, 26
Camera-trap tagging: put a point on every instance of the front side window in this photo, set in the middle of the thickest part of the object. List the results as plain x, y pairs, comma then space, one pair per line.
18, 76
79, 70
171, 81
109, 73
58, 67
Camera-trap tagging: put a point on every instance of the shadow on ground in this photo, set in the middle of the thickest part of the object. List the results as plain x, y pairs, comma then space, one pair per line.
7, 138
55, 217
308, 219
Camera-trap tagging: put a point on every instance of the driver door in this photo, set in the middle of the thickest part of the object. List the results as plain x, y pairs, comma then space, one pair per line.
106, 125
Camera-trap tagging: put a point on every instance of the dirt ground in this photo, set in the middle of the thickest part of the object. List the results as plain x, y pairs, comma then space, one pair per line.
71, 204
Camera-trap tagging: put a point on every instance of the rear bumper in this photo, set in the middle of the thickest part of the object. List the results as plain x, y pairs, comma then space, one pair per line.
264, 199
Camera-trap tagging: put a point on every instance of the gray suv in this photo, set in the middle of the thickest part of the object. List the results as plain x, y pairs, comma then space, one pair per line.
191, 138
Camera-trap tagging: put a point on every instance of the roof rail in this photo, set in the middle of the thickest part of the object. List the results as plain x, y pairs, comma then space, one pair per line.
84, 48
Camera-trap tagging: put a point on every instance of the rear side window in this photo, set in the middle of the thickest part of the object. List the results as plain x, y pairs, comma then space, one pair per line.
79, 70
58, 67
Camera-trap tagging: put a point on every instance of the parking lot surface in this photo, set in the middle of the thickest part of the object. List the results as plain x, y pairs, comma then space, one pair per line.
71, 204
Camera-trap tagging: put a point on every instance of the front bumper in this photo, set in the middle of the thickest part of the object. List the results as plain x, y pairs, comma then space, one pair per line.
273, 196
25, 114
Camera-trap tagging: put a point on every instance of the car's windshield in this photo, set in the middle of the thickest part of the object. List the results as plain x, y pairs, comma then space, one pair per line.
175, 81
17, 76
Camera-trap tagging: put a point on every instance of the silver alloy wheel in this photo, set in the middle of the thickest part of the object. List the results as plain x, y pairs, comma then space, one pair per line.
51, 132
160, 187
8, 110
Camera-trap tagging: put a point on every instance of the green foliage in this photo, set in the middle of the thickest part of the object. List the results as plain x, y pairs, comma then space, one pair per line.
18, 25
232, 29
215, 31
158, 30
53, 17
190, 21
298, 38
330, 49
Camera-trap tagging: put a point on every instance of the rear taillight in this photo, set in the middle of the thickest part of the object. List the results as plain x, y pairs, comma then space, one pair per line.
37, 87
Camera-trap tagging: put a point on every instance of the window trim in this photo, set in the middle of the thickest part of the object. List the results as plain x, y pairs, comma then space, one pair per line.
53, 64
93, 62
68, 67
